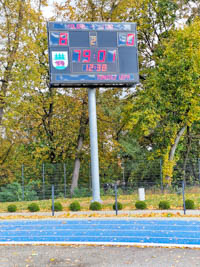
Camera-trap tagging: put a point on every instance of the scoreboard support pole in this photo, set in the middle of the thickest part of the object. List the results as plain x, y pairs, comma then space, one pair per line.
94, 145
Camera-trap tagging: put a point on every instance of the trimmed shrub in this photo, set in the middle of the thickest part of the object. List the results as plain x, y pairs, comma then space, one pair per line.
75, 206
164, 205
12, 208
140, 205
119, 206
189, 204
95, 206
57, 206
33, 207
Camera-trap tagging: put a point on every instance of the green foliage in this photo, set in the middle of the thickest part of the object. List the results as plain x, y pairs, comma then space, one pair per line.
140, 205
75, 206
57, 206
81, 192
189, 204
119, 206
42, 124
95, 206
164, 205
30, 192
12, 208
33, 207
13, 192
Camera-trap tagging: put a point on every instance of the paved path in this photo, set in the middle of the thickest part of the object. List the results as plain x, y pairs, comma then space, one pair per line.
96, 256
170, 232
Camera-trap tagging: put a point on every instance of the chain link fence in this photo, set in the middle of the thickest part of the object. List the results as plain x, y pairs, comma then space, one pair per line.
35, 182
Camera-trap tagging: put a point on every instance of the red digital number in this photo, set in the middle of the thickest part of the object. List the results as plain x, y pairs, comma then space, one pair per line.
98, 67
91, 67
63, 39
114, 55
130, 39
86, 55
104, 67
101, 56
79, 54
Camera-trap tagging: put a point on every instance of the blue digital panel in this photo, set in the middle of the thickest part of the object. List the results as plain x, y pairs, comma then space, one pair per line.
92, 26
92, 54
111, 55
59, 39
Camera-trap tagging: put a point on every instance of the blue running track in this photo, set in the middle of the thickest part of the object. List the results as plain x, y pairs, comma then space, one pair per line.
149, 232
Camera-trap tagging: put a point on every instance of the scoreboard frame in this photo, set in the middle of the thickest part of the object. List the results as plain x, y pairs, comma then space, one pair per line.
92, 54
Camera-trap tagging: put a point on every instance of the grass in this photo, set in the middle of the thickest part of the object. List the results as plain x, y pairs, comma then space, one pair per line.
128, 202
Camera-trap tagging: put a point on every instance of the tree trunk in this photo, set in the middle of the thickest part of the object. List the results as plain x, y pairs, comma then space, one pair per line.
77, 163
173, 150
7, 75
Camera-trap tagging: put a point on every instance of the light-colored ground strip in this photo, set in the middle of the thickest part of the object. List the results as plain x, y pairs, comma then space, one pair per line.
133, 244
89, 214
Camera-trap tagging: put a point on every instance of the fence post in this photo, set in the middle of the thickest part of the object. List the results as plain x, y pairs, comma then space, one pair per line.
43, 180
123, 171
64, 180
161, 176
22, 181
183, 190
52, 193
116, 206
199, 168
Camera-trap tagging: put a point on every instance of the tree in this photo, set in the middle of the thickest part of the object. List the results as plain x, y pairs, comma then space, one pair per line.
17, 29
170, 102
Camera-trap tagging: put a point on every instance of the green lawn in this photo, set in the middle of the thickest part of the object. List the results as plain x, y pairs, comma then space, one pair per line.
128, 201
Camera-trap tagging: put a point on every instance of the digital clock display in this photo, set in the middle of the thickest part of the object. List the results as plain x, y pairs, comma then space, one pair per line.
92, 54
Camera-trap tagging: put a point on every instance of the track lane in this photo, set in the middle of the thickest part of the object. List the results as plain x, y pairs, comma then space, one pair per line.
116, 231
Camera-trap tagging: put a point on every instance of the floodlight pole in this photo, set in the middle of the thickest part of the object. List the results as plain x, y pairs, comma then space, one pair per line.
94, 145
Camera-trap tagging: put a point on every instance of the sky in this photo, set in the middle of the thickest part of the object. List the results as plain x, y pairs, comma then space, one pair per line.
48, 11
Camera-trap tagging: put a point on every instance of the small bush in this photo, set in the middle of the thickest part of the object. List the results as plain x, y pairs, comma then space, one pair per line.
164, 205
95, 206
119, 206
57, 206
12, 208
75, 206
140, 205
189, 204
33, 207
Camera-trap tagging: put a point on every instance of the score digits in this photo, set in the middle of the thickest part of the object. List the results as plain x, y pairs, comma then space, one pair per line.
99, 56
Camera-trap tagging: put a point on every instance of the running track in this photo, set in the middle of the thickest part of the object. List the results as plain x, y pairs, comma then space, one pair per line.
184, 233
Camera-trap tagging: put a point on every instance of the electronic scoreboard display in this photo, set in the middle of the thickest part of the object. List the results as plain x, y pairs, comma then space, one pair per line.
92, 54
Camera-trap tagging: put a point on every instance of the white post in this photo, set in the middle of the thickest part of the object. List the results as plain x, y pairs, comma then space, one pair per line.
141, 193
94, 145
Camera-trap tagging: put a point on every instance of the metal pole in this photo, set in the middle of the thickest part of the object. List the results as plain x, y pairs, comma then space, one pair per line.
22, 181
52, 193
183, 190
94, 145
90, 180
64, 180
123, 171
116, 206
43, 181
161, 176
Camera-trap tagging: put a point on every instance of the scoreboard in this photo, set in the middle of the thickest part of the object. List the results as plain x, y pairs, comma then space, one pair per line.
92, 54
